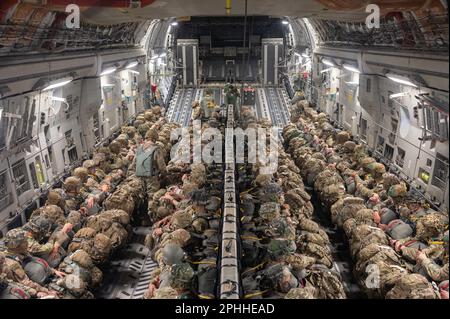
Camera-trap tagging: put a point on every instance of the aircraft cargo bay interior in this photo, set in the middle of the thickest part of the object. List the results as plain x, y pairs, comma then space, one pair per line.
224, 149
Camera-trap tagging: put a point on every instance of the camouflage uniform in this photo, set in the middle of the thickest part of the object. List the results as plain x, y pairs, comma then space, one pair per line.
16, 244
436, 272
37, 229
158, 162
72, 196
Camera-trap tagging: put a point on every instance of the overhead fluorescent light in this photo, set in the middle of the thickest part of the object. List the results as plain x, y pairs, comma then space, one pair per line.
305, 55
285, 22
132, 65
400, 79
162, 55
326, 70
58, 83
135, 72
352, 83
62, 100
351, 68
396, 95
327, 62
174, 24
297, 54
59, 99
108, 71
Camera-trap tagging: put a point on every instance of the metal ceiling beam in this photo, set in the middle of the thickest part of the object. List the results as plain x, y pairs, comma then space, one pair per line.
99, 3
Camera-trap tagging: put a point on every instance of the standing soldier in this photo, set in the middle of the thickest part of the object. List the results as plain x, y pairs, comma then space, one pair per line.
231, 96
150, 161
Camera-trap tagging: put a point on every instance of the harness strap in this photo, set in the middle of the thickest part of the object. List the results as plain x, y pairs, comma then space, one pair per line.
259, 293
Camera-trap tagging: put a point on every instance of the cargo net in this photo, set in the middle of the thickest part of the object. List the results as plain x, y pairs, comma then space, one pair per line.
285, 253
398, 244
399, 30
28, 28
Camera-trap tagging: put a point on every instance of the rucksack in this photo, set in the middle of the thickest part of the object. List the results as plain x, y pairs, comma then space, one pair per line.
207, 275
413, 286
327, 282
9, 291
144, 161
37, 269
398, 229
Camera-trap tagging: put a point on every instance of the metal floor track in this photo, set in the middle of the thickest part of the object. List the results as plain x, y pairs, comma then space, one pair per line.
180, 108
128, 273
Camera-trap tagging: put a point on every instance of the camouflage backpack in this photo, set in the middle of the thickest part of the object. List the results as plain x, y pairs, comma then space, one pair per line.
379, 277
269, 211
117, 235
327, 282
431, 225
279, 247
315, 238
100, 250
181, 276
350, 208
273, 278
117, 215
322, 254
413, 286
373, 253
377, 237
122, 200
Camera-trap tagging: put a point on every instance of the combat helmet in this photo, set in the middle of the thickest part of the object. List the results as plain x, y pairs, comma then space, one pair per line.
181, 276
99, 158
199, 225
15, 238
72, 184
152, 134
82, 173
199, 196
213, 204
180, 237
129, 130
89, 164
54, 198
39, 225
115, 147
182, 219
148, 116
122, 139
